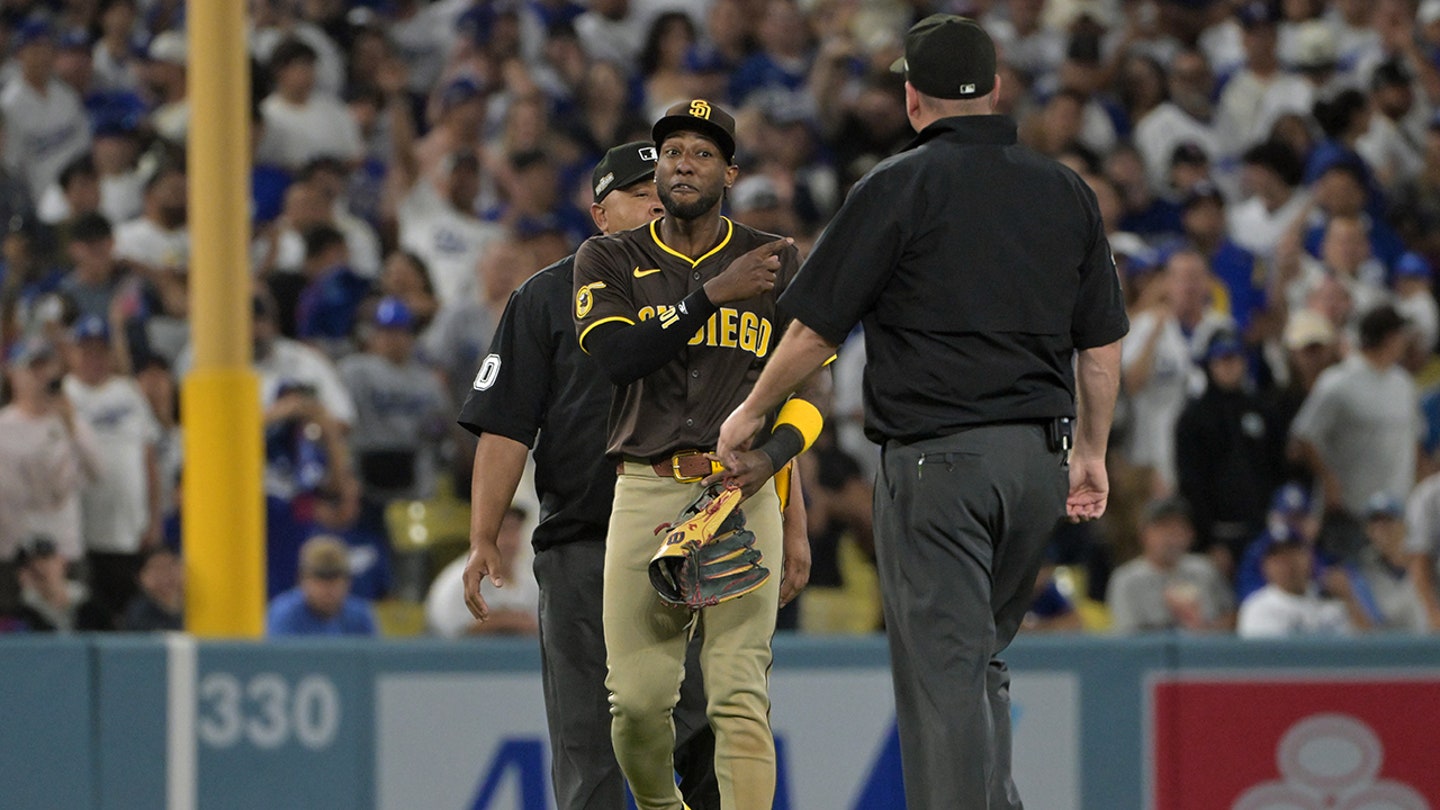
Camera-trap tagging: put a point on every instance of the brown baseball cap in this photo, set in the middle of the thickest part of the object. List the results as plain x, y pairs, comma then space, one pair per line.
948, 57
701, 117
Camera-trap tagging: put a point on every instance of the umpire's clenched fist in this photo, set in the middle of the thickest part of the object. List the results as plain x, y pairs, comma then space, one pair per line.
748, 276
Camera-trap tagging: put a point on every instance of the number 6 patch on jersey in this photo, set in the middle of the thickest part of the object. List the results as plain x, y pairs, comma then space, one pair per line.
585, 298
489, 370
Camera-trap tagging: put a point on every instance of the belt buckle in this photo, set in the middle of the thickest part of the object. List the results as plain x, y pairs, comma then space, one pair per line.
675, 467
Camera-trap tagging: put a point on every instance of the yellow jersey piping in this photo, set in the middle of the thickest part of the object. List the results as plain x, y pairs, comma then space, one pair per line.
620, 318
730, 231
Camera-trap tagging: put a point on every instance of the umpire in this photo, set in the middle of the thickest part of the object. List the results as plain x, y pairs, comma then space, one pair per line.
537, 382
990, 303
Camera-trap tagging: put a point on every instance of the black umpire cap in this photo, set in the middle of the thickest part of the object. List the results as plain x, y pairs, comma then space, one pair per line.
701, 117
621, 166
948, 57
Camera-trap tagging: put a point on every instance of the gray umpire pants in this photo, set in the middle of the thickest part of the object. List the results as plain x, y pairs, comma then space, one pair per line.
584, 772
961, 524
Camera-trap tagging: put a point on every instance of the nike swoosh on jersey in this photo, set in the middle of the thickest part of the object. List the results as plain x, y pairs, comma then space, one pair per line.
643, 273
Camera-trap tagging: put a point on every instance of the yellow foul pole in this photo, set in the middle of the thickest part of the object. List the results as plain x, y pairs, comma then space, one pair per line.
223, 503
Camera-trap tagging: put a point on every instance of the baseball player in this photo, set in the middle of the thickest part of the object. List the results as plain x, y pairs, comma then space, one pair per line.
681, 317
536, 381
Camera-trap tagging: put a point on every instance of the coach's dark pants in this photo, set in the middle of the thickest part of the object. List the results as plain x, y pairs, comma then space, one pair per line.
961, 524
577, 704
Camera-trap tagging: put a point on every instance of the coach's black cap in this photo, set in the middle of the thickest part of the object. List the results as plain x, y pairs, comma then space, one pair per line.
625, 164
701, 117
948, 57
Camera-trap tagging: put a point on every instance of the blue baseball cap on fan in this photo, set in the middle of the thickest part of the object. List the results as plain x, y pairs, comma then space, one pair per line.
391, 313
1412, 265
459, 91
90, 327
1224, 344
35, 29
1291, 499
1286, 539
29, 350
1384, 506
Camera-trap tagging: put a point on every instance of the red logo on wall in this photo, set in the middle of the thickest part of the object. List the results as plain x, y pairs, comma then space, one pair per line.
1296, 745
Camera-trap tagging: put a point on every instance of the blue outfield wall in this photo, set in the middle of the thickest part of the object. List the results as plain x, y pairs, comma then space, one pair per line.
1167, 723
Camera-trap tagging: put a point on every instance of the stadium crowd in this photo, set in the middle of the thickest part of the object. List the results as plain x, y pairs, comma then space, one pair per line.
1269, 175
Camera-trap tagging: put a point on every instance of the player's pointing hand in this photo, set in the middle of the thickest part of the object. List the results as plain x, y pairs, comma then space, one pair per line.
748, 276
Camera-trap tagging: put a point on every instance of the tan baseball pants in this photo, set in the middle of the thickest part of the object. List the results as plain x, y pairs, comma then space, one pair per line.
645, 649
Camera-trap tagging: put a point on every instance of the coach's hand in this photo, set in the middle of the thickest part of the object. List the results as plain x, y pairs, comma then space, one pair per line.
1089, 489
736, 434
484, 561
748, 276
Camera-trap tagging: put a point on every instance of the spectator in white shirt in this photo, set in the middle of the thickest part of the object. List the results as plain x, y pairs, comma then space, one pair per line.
1237, 119
1311, 62
302, 122
514, 609
115, 56
48, 455
120, 507
1158, 363
1385, 146
1415, 299
614, 30
76, 192
46, 126
1288, 606
158, 238
165, 79
103, 179
1184, 118
329, 177
1271, 175
277, 21
438, 222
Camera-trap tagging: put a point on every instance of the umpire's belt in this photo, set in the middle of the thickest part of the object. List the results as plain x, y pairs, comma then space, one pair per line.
686, 466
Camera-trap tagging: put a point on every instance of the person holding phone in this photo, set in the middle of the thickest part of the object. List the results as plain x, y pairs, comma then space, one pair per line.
48, 456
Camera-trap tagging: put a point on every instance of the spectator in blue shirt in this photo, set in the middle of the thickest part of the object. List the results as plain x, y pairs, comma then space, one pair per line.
321, 605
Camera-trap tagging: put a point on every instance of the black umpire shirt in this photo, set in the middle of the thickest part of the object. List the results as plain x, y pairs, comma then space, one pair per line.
537, 381
977, 268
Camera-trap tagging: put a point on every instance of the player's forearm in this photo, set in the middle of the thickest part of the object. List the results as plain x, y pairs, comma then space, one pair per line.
1097, 384
629, 352
795, 514
499, 463
799, 354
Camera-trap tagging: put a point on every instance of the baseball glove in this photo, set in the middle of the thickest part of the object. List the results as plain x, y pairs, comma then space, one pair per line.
708, 556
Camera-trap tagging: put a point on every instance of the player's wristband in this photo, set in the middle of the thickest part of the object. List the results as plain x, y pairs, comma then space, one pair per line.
796, 428
784, 444
804, 417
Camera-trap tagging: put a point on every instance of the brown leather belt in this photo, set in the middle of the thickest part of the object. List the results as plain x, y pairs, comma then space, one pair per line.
686, 466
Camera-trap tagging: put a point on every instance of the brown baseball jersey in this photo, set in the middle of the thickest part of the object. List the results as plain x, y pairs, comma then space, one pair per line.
633, 276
